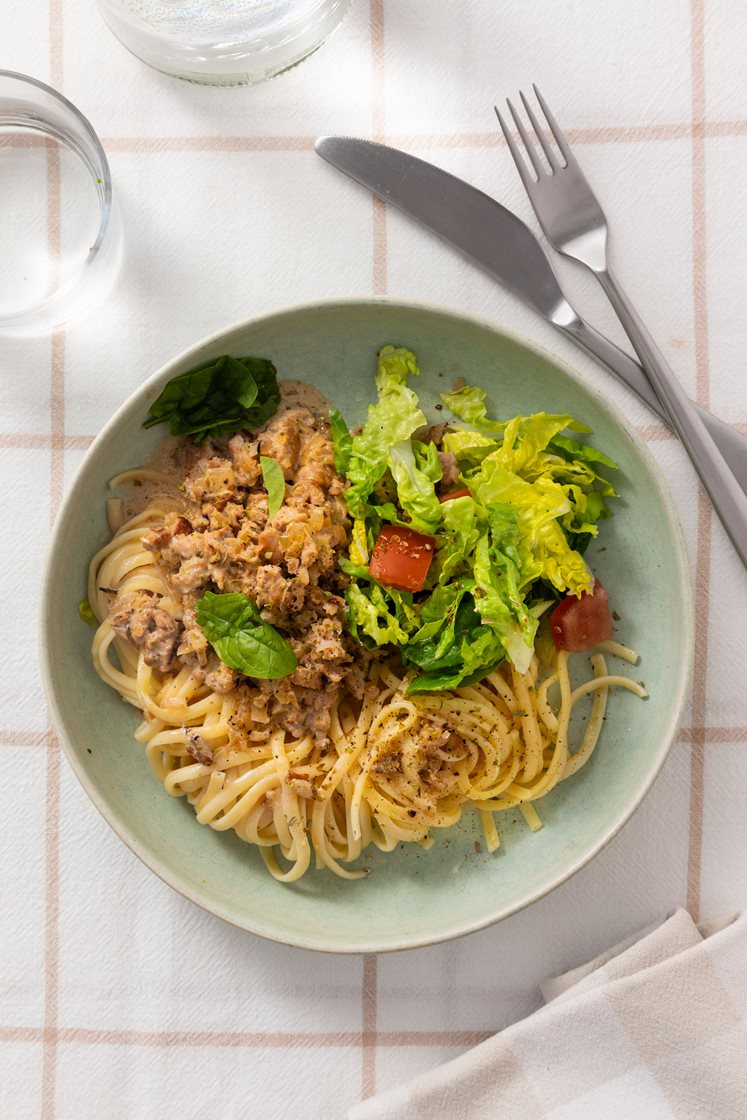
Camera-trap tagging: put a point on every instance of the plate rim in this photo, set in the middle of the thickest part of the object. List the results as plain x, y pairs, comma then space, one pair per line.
461, 928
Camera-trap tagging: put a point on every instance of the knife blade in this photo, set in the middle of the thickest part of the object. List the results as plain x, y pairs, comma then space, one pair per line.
494, 238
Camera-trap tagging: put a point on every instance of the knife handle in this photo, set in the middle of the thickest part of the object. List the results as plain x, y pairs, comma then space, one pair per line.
731, 444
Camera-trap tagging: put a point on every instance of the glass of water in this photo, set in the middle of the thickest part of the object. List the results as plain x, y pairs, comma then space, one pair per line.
59, 233
223, 42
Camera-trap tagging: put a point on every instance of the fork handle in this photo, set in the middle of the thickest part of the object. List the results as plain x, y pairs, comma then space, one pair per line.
731, 443
729, 500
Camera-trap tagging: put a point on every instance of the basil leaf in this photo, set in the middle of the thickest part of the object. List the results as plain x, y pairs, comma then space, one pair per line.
217, 399
341, 440
268, 394
274, 480
86, 613
235, 629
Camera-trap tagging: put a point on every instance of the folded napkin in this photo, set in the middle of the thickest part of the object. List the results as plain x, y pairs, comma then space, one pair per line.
654, 1029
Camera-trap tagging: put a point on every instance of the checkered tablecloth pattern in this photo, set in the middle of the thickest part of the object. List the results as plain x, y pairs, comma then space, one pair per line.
118, 998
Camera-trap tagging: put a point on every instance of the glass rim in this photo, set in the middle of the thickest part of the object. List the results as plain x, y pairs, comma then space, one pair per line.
51, 309
240, 55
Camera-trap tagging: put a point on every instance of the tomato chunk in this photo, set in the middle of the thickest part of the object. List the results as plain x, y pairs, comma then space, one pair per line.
462, 493
401, 558
579, 624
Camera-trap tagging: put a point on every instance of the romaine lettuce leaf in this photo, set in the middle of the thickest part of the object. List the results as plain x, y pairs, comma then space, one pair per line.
381, 614
394, 417
434, 640
469, 447
535, 498
533, 448
342, 441
415, 479
542, 546
525, 437
498, 600
468, 403
571, 449
471, 651
483, 614
460, 532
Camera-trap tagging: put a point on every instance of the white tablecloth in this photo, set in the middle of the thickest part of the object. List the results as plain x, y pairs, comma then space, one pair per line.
118, 998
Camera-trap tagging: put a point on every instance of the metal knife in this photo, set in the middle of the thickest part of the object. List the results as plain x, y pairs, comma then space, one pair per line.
504, 246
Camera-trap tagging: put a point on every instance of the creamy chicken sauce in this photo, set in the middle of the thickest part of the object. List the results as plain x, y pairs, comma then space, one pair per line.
219, 537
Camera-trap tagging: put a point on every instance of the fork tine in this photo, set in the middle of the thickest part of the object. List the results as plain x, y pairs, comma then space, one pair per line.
555, 129
530, 149
521, 166
546, 146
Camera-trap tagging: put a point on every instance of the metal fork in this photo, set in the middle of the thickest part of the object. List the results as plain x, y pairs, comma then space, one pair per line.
574, 223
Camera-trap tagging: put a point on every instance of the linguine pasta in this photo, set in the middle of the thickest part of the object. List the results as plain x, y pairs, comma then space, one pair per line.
393, 767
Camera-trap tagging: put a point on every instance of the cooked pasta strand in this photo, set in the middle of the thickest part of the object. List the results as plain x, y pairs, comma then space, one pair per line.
396, 766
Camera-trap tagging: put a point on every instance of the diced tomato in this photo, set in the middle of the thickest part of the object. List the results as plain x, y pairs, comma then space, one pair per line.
463, 493
401, 558
578, 624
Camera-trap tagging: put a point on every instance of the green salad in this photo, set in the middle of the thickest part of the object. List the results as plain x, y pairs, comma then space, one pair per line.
458, 580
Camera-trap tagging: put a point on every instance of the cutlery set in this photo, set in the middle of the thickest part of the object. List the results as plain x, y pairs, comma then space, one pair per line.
575, 225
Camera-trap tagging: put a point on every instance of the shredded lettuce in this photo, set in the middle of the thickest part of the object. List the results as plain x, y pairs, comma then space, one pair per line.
466, 652
525, 438
533, 448
342, 441
468, 403
416, 469
85, 610
504, 553
460, 533
394, 417
571, 449
468, 447
382, 614
542, 546
498, 575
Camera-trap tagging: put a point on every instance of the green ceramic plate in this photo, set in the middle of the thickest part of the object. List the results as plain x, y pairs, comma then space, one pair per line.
412, 897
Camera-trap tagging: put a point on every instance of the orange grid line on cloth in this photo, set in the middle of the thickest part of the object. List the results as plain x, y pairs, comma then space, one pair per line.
705, 512
369, 1038
250, 1040
40, 441
379, 283
56, 487
608, 134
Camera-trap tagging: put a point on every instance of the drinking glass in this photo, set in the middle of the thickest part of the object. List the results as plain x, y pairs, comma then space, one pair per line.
222, 42
59, 232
